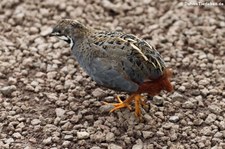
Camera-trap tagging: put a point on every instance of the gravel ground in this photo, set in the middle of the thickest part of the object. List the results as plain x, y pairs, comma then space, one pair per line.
48, 102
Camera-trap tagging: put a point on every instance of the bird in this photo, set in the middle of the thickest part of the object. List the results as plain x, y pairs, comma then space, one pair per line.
118, 61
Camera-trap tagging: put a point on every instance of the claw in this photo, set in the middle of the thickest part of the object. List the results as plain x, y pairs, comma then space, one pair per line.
126, 104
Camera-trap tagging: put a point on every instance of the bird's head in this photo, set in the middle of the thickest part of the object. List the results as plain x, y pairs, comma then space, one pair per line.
69, 30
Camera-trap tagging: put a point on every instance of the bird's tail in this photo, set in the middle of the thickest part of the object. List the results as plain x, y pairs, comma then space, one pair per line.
165, 80
155, 87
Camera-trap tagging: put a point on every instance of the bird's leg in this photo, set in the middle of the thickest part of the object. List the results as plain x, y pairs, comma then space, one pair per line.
126, 104
122, 104
138, 101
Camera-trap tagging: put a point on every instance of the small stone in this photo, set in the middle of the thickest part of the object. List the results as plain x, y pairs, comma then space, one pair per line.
201, 145
98, 136
147, 117
9, 141
59, 112
204, 82
177, 96
174, 119
157, 100
218, 135
114, 146
35, 122
182, 88
33, 30
198, 122
47, 141
34, 83
206, 131
17, 135
68, 137
110, 137
66, 143
98, 93
188, 105
95, 147
51, 75
12, 81
147, 134
205, 91
33, 140
210, 118
168, 125
105, 108
28, 147
83, 135
46, 31
215, 109
7, 90
137, 146
79, 78
66, 126
160, 133
173, 136
75, 118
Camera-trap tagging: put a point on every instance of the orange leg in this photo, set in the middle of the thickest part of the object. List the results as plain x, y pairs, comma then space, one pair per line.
126, 104
137, 99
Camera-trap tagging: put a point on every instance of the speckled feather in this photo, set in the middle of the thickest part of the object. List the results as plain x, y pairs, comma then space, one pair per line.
113, 59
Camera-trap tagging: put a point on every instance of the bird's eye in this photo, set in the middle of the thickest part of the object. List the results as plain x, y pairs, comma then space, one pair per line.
58, 31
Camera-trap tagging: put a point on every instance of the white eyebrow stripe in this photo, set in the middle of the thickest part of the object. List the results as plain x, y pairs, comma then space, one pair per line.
71, 43
63, 37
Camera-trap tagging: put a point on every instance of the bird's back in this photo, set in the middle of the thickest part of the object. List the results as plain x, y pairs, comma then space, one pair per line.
138, 59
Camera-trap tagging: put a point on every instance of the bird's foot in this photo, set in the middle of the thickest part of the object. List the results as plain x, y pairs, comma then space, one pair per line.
120, 104
126, 104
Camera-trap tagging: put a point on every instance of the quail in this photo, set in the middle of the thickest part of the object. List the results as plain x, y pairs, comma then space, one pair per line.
117, 60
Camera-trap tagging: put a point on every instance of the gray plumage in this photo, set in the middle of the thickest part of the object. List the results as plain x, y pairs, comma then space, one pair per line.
113, 59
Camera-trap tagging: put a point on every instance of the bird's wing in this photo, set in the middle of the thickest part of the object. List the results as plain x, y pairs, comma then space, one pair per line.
107, 72
134, 57
145, 56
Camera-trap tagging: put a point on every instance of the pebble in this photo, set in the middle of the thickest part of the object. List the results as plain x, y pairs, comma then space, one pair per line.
110, 137
98, 93
137, 146
205, 91
66, 143
83, 135
9, 140
105, 108
206, 131
182, 88
35, 122
17, 135
174, 119
147, 134
68, 137
95, 147
177, 96
12, 81
215, 109
59, 112
188, 105
47, 141
98, 136
157, 100
46, 31
210, 118
114, 146
7, 90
